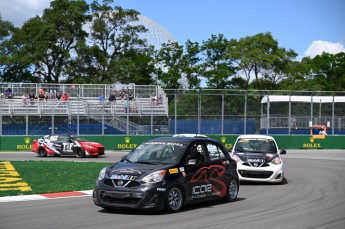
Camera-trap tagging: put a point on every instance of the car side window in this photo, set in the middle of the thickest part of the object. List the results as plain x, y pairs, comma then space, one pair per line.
215, 152
53, 138
195, 155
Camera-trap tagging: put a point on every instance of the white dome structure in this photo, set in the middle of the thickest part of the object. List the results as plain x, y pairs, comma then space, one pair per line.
156, 34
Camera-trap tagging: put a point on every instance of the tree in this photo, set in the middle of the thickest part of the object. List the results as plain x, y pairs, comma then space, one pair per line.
328, 70
114, 50
49, 41
259, 56
13, 68
324, 72
217, 69
178, 68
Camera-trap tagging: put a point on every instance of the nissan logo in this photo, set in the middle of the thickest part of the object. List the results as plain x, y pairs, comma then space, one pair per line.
120, 183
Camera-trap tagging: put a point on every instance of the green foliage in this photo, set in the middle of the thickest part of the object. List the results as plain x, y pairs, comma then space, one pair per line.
217, 69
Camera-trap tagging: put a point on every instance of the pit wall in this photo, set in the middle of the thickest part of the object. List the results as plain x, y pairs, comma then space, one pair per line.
124, 142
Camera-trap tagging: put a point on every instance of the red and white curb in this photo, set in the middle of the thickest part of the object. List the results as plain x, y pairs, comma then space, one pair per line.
46, 196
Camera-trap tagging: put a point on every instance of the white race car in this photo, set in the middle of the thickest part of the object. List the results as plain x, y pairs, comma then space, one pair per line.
258, 159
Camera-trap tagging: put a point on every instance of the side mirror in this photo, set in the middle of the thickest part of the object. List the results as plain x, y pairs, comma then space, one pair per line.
282, 151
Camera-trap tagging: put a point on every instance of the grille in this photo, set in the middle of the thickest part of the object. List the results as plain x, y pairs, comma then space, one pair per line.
126, 183
109, 199
259, 165
255, 174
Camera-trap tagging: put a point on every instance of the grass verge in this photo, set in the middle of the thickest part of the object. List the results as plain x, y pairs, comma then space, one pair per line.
57, 176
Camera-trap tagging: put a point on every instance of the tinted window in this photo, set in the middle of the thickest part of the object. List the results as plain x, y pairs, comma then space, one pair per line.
256, 145
157, 153
215, 152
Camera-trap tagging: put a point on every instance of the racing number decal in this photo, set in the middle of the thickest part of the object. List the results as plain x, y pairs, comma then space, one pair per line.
215, 171
67, 146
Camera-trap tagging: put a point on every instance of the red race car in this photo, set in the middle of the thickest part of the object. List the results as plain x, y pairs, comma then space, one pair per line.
58, 145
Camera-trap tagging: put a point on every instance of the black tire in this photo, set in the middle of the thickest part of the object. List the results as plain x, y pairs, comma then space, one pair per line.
174, 201
79, 153
232, 190
42, 152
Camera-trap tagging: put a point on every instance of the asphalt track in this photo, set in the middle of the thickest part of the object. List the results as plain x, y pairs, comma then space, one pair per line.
312, 197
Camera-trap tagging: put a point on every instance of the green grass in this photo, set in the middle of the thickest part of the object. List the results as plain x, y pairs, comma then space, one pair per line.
57, 176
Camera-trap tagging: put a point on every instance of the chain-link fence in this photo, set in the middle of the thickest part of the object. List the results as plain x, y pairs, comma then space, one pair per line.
203, 111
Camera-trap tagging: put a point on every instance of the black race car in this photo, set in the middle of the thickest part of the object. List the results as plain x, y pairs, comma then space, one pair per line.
64, 144
167, 173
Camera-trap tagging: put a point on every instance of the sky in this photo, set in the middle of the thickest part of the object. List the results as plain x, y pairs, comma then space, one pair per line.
308, 27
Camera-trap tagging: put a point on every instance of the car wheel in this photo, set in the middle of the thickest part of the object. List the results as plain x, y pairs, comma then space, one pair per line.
231, 193
80, 153
42, 152
174, 201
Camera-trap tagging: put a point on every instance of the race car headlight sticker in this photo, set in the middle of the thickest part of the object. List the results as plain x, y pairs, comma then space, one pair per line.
102, 174
155, 177
276, 161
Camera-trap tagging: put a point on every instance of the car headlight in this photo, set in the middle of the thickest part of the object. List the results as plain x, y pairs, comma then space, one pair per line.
155, 177
276, 161
89, 147
102, 174
236, 158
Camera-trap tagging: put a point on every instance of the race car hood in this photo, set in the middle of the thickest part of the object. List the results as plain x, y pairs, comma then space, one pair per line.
256, 157
95, 144
134, 169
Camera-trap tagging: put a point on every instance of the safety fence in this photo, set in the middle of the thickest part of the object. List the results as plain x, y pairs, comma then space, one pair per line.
202, 111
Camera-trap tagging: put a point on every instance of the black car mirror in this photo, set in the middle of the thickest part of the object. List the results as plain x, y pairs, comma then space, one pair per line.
282, 151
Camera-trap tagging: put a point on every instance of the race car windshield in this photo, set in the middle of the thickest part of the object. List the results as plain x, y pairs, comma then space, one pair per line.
157, 153
79, 139
256, 146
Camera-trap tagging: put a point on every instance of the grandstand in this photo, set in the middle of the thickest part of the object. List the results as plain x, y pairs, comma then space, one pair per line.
83, 104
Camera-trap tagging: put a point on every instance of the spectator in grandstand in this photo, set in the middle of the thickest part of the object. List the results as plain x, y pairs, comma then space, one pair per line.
2, 96
25, 98
52, 93
64, 97
123, 95
41, 90
112, 97
46, 96
134, 106
130, 94
159, 99
41, 95
127, 105
8, 93
101, 99
153, 99
59, 98
32, 98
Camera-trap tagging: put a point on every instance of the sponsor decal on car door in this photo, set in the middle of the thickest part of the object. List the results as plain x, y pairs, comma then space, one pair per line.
197, 174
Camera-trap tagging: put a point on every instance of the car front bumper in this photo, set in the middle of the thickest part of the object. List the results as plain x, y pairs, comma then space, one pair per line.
272, 173
152, 196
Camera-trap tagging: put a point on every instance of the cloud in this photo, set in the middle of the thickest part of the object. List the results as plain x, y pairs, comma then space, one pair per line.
19, 11
318, 47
